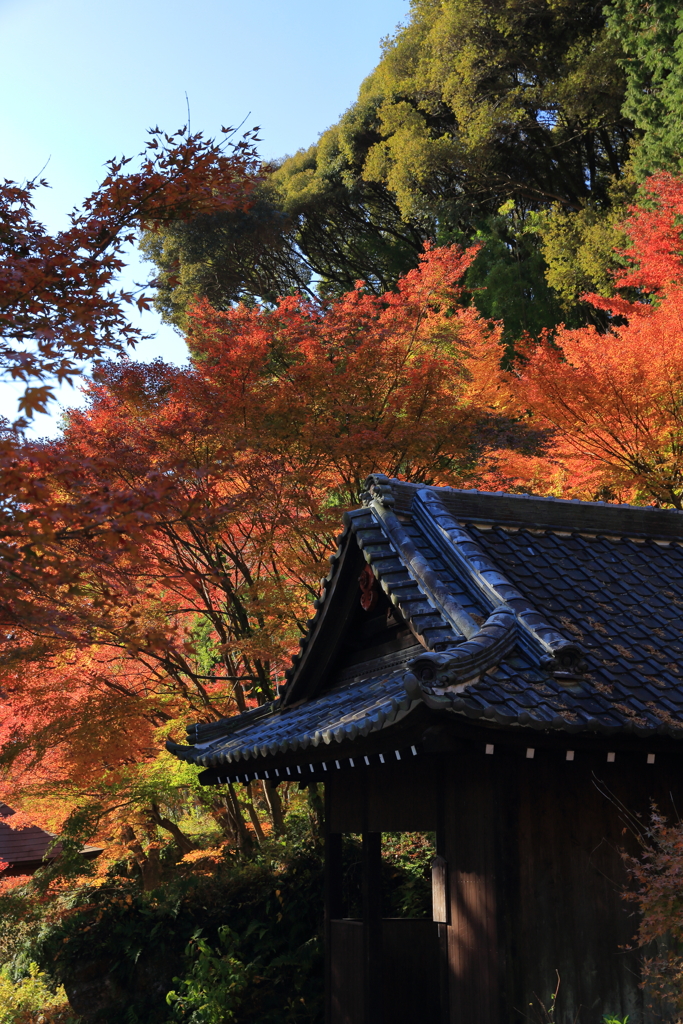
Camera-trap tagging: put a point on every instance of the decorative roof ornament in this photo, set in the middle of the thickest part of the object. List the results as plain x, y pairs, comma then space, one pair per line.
377, 488
434, 670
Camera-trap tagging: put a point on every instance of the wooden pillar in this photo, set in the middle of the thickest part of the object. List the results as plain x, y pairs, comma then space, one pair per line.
333, 907
333, 897
475, 983
441, 851
372, 926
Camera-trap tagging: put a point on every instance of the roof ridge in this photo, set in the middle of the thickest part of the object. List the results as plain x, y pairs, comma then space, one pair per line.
546, 512
433, 588
456, 545
525, 496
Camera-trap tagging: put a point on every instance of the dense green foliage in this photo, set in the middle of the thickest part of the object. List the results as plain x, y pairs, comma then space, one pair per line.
651, 36
223, 936
481, 116
119, 950
31, 998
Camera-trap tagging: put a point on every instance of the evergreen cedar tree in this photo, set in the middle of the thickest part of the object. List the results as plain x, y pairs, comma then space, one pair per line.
652, 43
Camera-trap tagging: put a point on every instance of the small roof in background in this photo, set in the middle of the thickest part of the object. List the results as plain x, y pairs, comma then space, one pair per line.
26, 847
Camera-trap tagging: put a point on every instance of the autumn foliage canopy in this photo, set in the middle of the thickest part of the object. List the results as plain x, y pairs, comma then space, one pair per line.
613, 402
212, 495
159, 558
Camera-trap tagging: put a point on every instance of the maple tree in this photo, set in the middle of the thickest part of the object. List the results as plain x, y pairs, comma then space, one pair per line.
179, 526
59, 306
656, 892
233, 473
613, 401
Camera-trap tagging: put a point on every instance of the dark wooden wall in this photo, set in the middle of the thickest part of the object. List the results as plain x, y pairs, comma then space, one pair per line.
396, 797
534, 848
535, 874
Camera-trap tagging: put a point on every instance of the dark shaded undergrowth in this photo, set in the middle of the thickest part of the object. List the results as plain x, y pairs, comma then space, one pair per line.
225, 937
221, 939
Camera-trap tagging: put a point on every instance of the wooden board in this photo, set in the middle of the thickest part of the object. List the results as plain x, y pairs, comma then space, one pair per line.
346, 982
396, 797
411, 971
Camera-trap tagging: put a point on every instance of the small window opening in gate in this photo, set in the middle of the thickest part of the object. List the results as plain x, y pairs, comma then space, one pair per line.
406, 875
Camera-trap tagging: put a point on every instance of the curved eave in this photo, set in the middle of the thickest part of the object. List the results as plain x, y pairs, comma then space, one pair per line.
344, 714
355, 712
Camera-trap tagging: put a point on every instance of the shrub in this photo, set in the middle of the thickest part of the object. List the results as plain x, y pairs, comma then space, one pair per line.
31, 1001
118, 950
657, 875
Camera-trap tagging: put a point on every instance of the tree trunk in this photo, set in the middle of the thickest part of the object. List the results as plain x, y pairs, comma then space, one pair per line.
272, 796
149, 862
244, 839
316, 808
184, 843
253, 814
225, 821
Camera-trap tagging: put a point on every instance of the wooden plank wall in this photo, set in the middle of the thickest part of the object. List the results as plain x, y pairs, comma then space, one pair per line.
562, 877
472, 948
536, 877
346, 982
396, 797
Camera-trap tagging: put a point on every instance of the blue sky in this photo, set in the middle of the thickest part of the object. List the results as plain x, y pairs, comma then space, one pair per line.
83, 80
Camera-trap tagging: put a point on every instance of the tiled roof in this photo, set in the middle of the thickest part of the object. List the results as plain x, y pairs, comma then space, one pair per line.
24, 845
355, 708
530, 612
28, 845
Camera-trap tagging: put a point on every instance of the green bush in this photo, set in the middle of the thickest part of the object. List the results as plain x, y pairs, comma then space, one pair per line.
214, 986
30, 1000
119, 951
222, 985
